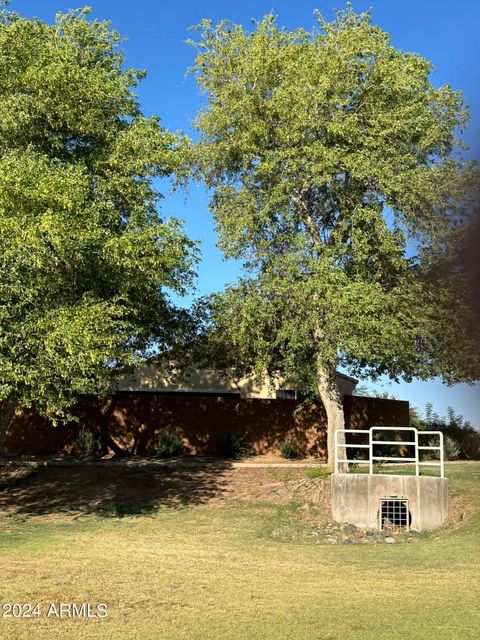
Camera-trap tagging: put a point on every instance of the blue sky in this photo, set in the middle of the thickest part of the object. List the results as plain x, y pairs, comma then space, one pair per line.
446, 33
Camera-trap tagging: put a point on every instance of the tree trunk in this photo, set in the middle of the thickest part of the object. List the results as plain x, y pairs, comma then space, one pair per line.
7, 412
332, 401
326, 371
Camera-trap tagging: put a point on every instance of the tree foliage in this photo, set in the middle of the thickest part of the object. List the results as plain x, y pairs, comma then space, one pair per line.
332, 162
86, 263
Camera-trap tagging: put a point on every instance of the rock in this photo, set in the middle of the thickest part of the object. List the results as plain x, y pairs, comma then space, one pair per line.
390, 540
350, 528
332, 540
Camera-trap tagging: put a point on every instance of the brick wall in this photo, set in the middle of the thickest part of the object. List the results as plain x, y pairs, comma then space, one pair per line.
127, 423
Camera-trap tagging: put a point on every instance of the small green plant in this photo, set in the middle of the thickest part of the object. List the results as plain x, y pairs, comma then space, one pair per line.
86, 445
168, 445
354, 463
290, 450
284, 476
379, 467
317, 472
232, 445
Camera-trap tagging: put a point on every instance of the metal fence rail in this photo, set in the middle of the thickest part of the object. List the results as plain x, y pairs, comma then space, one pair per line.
399, 443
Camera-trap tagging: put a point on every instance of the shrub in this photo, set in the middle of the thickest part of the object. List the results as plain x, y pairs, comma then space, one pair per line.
232, 445
451, 448
470, 445
317, 472
290, 450
168, 445
86, 445
353, 465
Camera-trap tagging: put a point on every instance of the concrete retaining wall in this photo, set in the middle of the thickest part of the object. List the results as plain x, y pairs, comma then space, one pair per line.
355, 498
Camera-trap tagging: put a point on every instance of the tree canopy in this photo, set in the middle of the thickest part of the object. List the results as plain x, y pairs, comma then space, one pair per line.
86, 262
333, 167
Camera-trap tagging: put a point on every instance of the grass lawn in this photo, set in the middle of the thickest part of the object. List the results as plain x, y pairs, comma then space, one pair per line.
221, 553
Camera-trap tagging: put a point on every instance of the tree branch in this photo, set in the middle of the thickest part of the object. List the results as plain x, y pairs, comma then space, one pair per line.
306, 216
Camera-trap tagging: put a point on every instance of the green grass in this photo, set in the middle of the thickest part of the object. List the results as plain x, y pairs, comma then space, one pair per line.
396, 468
235, 570
317, 472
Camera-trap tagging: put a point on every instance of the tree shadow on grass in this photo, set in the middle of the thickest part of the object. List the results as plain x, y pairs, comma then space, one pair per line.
112, 492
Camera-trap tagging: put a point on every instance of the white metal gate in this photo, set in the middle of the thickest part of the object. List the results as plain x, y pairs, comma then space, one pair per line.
372, 458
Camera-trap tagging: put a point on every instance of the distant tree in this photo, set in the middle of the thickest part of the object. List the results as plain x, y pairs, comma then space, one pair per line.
453, 420
416, 418
330, 158
461, 437
85, 260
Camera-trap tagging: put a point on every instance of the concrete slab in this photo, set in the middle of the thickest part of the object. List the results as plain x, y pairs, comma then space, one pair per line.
355, 498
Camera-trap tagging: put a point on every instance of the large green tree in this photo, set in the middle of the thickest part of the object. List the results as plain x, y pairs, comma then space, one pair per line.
331, 161
86, 262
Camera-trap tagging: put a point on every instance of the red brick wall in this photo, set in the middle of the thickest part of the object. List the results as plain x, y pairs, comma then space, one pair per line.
128, 422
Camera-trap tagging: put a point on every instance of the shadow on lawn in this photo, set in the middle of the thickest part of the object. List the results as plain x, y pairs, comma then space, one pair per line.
113, 492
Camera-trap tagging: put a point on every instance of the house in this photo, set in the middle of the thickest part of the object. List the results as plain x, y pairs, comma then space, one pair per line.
210, 382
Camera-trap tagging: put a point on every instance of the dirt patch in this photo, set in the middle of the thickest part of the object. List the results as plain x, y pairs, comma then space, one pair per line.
460, 509
42, 491
9, 476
